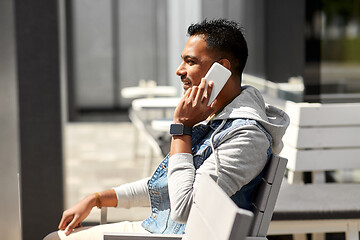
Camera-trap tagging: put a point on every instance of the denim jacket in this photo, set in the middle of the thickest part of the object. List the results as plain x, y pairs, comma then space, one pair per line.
160, 220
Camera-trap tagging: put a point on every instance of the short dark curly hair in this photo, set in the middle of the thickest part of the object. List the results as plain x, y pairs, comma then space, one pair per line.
226, 38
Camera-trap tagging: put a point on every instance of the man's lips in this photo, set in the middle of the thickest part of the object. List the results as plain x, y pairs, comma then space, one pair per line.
187, 83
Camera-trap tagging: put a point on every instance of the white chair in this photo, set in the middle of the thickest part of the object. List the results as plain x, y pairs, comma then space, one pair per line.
320, 138
230, 222
213, 216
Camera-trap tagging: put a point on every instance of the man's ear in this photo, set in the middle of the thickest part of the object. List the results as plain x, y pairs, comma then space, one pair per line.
225, 62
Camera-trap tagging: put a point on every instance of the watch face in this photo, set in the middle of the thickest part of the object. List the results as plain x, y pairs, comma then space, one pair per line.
176, 129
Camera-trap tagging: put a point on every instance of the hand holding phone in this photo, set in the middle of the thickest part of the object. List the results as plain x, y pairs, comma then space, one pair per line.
219, 75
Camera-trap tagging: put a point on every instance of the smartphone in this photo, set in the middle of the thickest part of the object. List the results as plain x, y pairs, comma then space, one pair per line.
219, 75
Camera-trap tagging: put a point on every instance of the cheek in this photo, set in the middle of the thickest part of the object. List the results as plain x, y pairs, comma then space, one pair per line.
196, 77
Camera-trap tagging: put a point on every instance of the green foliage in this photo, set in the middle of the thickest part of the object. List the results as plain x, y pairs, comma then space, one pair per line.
345, 9
343, 49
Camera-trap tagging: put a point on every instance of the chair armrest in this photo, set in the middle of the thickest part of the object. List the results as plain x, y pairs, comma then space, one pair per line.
256, 238
141, 236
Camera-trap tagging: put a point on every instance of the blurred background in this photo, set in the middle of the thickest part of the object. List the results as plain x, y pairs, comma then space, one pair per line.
64, 64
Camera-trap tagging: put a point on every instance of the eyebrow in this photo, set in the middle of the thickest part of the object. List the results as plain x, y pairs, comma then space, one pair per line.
189, 56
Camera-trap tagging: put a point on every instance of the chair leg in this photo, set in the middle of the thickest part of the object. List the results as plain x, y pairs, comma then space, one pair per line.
318, 236
300, 236
148, 161
295, 177
352, 232
318, 177
103, 215
136, 143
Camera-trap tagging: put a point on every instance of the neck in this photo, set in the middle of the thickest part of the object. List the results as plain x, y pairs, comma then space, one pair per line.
229, 93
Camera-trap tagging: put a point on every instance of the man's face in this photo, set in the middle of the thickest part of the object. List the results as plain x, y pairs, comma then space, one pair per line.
196, 61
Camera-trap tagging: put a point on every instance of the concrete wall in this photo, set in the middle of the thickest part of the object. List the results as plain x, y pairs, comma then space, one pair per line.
115, 44
142, 46
274, 31
31, 123
9, 135
93, 53
180, 15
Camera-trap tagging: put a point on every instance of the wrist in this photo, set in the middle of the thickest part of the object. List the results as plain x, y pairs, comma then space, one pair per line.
91, 200
184, 121
182, 137
98, 202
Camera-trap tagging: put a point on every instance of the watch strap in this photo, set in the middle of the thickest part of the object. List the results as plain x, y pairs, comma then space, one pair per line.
187, 130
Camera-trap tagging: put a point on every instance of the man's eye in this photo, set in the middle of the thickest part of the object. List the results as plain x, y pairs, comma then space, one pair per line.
190, 62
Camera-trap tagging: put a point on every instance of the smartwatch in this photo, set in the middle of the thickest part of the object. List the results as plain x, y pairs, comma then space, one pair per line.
180, 129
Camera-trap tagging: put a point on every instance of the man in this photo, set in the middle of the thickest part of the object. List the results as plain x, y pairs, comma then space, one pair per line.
232, 139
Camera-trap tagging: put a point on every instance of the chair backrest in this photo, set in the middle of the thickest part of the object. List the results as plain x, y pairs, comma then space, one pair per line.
318, 136
267, 193
214, 216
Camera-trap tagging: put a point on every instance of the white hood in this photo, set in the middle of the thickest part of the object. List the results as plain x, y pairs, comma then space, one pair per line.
250, 104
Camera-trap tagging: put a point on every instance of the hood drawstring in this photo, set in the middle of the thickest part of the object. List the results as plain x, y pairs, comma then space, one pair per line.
217, 160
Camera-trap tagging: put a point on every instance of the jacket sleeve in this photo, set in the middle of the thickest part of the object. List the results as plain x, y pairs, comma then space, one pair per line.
135, 194
242, 155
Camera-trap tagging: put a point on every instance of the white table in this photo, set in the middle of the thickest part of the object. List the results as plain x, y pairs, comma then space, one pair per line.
155, 103
150, 110
147, 91
162, 125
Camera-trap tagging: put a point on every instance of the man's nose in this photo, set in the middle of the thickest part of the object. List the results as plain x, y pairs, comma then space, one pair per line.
180, 71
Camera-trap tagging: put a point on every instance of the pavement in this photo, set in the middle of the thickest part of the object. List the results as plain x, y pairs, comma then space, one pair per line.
99, 156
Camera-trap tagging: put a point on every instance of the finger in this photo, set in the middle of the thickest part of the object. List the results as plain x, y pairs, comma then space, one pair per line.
201, 90
188, 92
186, 96
79, 225
209, 89
213, 104
71, 226
207, 94
61, 222
194, 91
185, 99
64, 222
